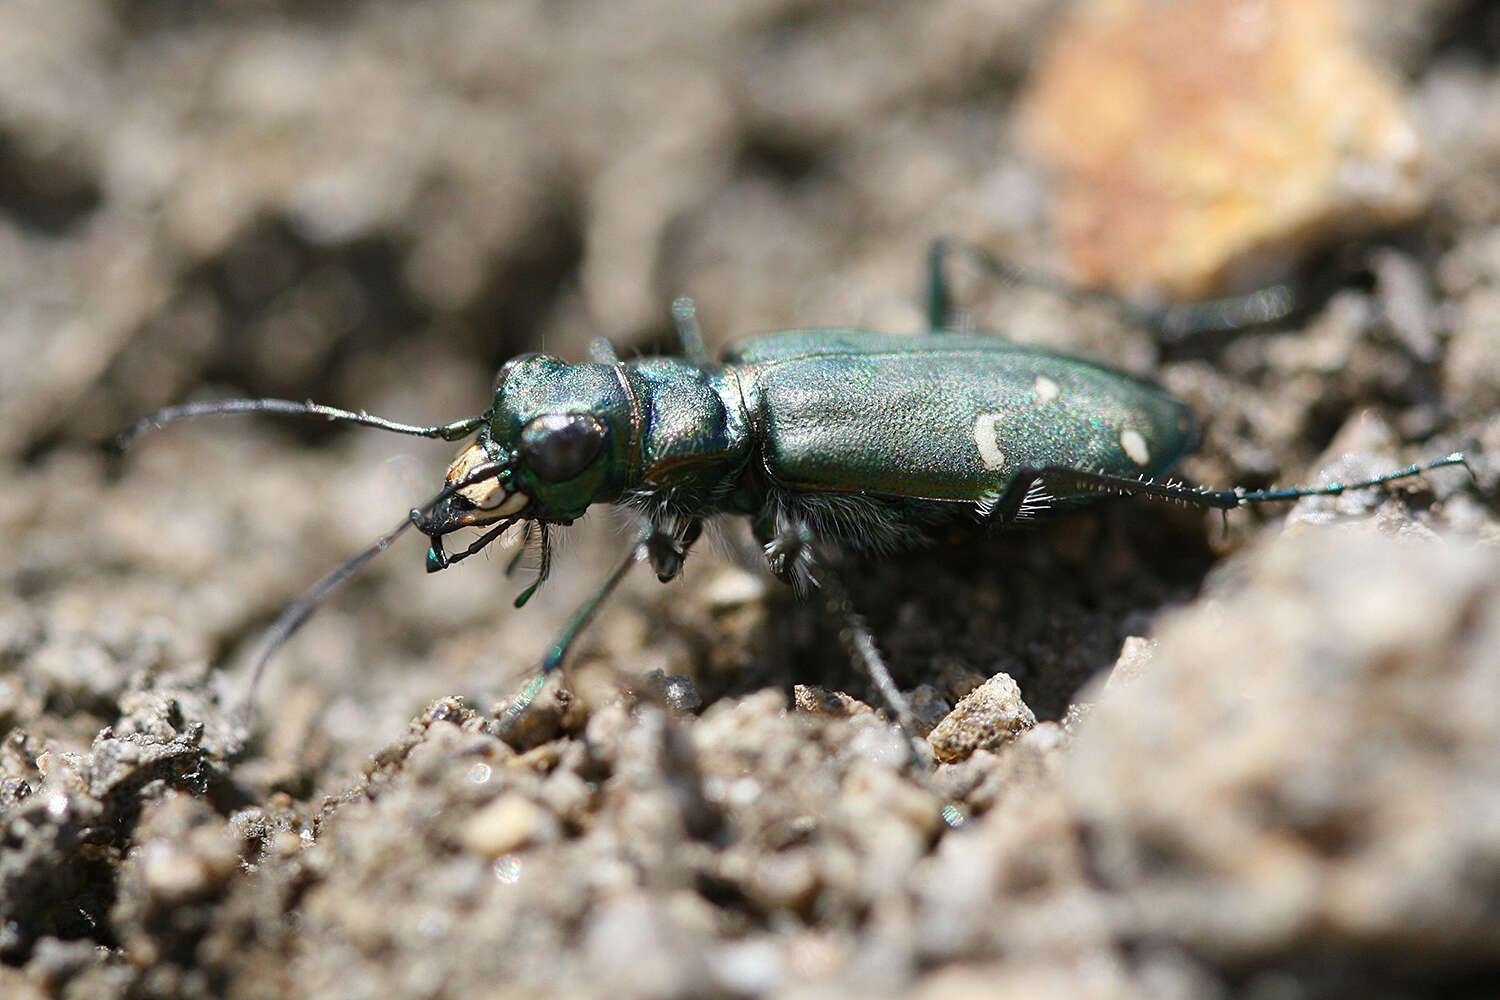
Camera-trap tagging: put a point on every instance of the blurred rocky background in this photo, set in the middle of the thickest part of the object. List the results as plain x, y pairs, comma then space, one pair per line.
1187, 759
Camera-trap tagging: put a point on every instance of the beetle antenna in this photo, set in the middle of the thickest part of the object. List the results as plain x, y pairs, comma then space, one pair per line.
186, 411
296, 614
299, 611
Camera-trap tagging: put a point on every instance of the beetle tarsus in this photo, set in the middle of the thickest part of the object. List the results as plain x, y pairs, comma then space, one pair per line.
1336, 489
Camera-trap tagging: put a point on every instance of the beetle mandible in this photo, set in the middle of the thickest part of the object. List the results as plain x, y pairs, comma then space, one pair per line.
828, 440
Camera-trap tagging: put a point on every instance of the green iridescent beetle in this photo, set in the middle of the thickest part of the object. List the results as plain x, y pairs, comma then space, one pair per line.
828, 440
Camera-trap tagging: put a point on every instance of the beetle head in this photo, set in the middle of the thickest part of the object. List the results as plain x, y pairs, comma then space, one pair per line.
556, 440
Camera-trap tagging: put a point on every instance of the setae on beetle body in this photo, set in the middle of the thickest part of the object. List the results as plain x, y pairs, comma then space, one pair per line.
828, 440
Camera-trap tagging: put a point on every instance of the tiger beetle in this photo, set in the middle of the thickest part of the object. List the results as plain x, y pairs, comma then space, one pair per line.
830, 440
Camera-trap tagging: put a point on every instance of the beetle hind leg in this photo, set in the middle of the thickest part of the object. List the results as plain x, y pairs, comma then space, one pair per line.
1079, 484
1033, 487
1170, 323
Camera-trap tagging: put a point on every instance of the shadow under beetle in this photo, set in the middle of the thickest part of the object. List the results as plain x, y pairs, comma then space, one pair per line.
828, 440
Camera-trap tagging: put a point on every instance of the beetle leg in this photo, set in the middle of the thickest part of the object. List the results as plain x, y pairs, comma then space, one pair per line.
859, 642
1169, 322
521, 548
1076, 484
938, 300
544, 564
664, 544
793, 554
558, 652
590, 607
602, 352
789, 552
939, 297
1098, 484
1335, 489
667, 543
689, 333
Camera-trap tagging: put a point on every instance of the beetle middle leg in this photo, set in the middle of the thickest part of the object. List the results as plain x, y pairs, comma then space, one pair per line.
793, 555
667, 543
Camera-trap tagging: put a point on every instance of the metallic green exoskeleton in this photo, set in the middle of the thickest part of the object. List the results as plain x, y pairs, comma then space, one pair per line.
828, 440
861, 440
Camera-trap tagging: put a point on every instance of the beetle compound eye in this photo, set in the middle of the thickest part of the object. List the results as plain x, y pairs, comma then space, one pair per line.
559, 446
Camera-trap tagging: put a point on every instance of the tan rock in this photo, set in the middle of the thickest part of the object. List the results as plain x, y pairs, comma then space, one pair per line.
1197, 145
988, 716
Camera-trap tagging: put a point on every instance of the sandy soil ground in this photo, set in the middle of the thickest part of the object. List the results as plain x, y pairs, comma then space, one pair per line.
1266, 762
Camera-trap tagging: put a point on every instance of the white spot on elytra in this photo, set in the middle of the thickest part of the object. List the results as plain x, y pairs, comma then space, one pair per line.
987, 439
1135, 446
1046, 390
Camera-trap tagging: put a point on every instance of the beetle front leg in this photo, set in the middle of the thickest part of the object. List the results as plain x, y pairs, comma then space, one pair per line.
665, 544
558, 652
